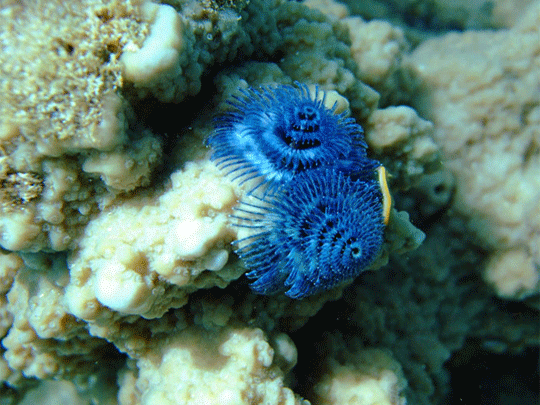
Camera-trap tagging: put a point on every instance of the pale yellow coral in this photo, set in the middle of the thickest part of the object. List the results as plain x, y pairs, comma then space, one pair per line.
129, 251
36, 305
369, 377
513, 274
377, 48
54, 393
160, 52
126, 170
196, 367
9, 265
331, 8
59, 74
506, 13
481, 91
423, 18
18, 230
401, 133
332, 99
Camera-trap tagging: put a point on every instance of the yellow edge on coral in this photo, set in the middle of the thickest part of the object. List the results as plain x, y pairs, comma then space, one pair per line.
387, 198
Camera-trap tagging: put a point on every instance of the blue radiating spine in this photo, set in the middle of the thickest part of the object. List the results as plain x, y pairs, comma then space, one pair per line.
319, 220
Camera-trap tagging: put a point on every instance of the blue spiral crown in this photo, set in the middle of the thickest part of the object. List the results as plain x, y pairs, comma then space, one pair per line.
273, 134
323, 231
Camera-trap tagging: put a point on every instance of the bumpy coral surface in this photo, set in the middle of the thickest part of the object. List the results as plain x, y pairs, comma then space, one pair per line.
232, 367
118, 281
481, 92
63, 123
442, 15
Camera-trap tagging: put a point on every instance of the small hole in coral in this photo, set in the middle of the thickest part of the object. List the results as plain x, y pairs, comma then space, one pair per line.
439, 189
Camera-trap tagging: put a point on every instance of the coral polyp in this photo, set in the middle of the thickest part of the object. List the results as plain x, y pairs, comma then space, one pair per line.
324, 230
274, 133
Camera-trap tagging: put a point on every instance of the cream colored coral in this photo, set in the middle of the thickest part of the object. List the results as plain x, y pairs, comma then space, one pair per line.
377, 48
130, 252
161, 49
481, 91
369, 377
513, 274
331, 8
442, 15
401, 133
197, 367
10, 263
54, 393
506, 13
285, 353
36, 305
480, 13
18, 230
126, 170
331, 99
59, 72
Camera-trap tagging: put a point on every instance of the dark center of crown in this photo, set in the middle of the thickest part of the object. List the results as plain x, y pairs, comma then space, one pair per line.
305, 122
301, 144
295, 139
307, 119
